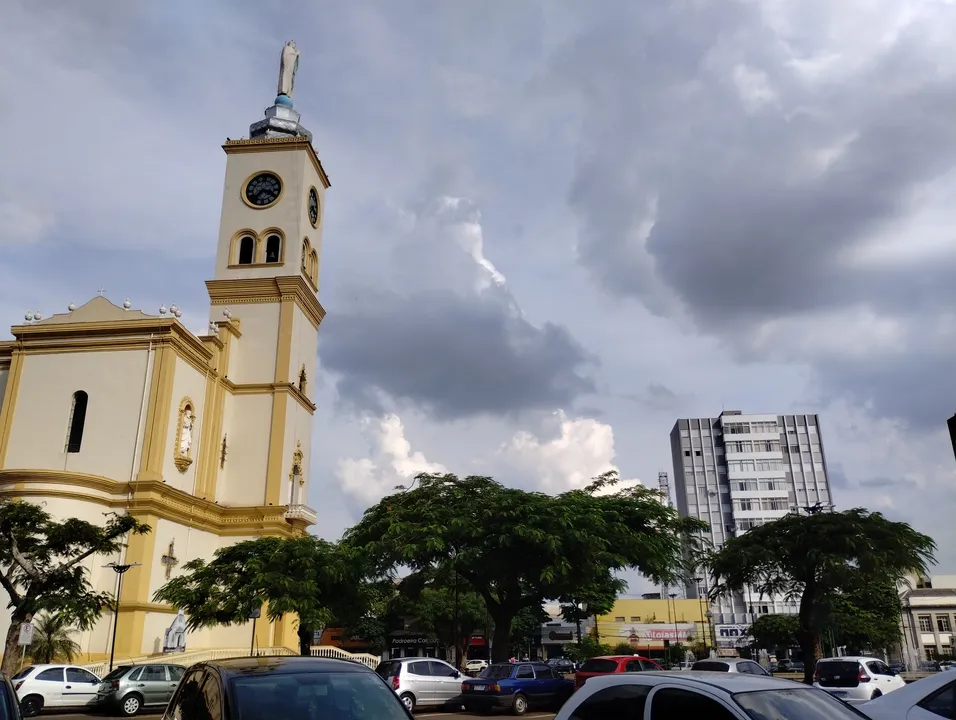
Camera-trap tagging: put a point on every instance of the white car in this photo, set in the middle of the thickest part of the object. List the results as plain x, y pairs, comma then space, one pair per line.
692, 695
476, 665
421, 681
856, 679
54, 686
931, 698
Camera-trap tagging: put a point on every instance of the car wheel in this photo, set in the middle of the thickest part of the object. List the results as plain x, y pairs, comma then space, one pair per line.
875, 695
131, 705
408, 700
520, 705
31, 705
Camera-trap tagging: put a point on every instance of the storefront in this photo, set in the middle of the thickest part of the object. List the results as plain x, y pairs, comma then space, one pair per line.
554, 636
403, 643
732, 638
477, 648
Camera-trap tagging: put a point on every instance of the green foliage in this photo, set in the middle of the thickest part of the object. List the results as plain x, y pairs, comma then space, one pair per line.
587, 648
373, 617
622, 648
595, 600
41, 566
864, 615
813, 557
525, 625
52, 639
308, 576
517, 548
775, 631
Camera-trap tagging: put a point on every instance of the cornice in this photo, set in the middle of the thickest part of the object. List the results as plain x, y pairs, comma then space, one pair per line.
269, 289
299, 142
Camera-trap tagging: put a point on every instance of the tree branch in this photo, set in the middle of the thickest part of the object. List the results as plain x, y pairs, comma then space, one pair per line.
7, 584
21, 560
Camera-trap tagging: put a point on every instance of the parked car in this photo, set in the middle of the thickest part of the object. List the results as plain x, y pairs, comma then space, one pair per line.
9, 705
421, 681
562, 665
262, 688
40, 687
692, 695
609, 664
731, 665
473, 667
515, 686
130, 688
856, 679
931, 698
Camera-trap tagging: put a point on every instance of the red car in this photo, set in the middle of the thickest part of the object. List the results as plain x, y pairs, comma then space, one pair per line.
608, 664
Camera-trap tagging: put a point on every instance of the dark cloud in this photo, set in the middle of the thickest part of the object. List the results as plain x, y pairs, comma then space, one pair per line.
454, 356
885, 482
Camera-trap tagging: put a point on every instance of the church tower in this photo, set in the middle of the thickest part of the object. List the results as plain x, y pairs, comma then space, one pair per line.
264, 302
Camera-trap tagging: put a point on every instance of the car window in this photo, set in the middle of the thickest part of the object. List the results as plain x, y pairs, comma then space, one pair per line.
23, 673
754, 669
419, 668
135, 675
186, 703
942, 702
543, 672
117, 672
619, 702
154, 673
175, 672
79, 675
212, 698
389, 668
440, 669
498, 671
524, 672
599, 665
711, 666
800, 704
838, 669
649, 666
633, 666
50, 675
671, 703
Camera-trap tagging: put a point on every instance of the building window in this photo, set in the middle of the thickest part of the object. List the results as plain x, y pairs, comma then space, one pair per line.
925, 623
943, 624
619, 619
247, 250
273, 249
77, 421
635, 618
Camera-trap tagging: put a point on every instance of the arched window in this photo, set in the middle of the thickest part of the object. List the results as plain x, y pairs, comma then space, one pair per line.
77, 421
314, 267
305, 257
273, 249
247, 250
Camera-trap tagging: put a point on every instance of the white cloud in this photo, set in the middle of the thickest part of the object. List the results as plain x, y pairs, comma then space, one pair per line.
583, 449
466, 230
392, 462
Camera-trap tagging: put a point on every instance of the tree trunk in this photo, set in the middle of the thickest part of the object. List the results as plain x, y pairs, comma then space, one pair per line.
305, 641
811, 645
501, 644
11, 647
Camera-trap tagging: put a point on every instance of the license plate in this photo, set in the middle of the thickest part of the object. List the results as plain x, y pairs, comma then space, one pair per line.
480, 687
839, 694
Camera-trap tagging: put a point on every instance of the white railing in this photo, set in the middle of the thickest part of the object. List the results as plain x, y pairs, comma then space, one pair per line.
328, 651
187, 658
300, 512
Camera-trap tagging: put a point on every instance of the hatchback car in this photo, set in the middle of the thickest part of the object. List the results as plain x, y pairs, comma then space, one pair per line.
562, 665
130, 688
732, 665
54, 686
609, 664
691, 695
856, 679
299, 688
516, 687
421, 681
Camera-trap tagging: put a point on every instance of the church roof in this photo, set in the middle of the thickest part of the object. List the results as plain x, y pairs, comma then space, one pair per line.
97, 310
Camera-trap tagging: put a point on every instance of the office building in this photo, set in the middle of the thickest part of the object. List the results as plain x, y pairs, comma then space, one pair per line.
736, 472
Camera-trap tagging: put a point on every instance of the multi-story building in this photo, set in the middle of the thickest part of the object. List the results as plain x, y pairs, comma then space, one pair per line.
645, 624
928, 618
738, 471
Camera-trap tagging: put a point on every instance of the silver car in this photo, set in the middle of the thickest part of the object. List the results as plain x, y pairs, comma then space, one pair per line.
421, 681
129, 688
732, 665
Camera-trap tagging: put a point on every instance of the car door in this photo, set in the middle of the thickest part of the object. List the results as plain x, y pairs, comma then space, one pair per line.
675, 703
447, 684
175, 673
49, 684
882, 676
154, 684
184, 701
546, 686
419, 677
80, 688
524, 674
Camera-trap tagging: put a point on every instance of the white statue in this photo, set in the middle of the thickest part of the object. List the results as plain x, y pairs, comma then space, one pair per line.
174, 637
186, 438
288, 64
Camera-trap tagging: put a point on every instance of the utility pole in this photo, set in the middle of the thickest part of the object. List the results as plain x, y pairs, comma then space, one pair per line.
120, 570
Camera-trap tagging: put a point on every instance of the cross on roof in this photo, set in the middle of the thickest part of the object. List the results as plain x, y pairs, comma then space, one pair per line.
101, 292
169, 559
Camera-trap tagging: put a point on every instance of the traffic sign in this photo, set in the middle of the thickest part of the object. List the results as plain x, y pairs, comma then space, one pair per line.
26, 634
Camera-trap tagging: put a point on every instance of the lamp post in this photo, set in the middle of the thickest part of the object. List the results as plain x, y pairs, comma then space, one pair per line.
120, 570
583, 609
710, 616
253, 615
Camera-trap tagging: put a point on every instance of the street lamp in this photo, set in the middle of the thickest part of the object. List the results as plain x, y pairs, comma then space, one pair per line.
710, 616
582, 610
120, 570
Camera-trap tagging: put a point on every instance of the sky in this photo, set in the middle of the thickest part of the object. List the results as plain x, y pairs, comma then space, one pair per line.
553, 227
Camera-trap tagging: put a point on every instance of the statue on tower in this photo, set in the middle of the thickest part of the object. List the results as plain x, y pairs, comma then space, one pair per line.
288, 64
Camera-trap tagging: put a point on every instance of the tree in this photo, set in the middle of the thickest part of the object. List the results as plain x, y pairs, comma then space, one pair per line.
775, 631
41, 567
595, 600
516, 548
864, 615
586, 649
52, 639
814, 556
306, 576
524, 626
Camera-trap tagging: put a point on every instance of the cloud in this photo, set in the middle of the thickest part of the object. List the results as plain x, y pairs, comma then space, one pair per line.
582, 449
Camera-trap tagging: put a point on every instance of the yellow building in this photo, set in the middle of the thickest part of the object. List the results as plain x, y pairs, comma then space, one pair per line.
204, 437
646, 624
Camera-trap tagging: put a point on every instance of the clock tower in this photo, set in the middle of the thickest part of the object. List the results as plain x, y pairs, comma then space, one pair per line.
264, 303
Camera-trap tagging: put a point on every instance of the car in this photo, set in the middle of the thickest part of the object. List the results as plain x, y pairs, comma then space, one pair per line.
54, 686
856, 679
475, 666
732, 665
676, 695
516, 687
262, 688
931, 698
421, 681
9, 705
562, 665
130, 688
608, 664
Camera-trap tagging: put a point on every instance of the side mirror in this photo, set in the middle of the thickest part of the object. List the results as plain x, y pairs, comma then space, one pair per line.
457, 674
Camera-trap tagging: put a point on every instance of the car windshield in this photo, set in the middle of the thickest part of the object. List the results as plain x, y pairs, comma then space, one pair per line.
798, 704
838, 669
315, 696
389, 668
597, 665
499, 671
23, 673
711, 666
117, 673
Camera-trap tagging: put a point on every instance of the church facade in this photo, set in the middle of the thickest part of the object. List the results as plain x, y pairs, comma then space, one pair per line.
204, 437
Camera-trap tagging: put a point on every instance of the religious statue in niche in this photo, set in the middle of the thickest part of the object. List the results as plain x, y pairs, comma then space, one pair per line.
184, 435
288, 65
302, 379
174, 637
295, 477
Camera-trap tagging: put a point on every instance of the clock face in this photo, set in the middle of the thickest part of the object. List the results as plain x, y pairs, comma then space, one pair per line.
313, 207
263, 189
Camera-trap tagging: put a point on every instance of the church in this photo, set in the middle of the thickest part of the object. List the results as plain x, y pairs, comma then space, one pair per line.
206, 438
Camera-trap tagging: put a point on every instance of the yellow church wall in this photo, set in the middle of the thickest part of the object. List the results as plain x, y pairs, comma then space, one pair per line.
253, 357
249, 427
4, 375
115, 381
188, 384
304, 342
